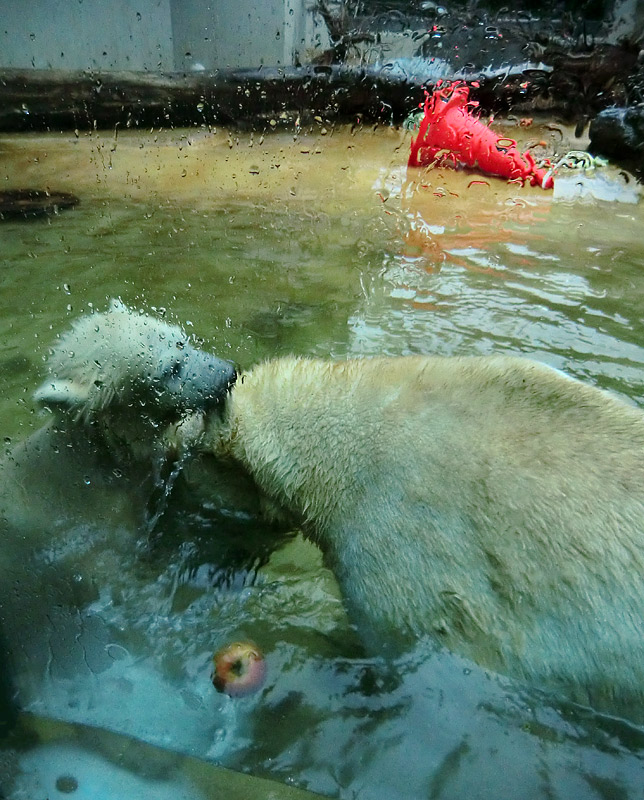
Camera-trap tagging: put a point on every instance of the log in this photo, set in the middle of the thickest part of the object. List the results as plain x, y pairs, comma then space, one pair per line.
576, 84
27, 203
65, 100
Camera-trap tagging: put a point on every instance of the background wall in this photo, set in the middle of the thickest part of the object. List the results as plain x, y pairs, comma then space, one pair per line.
158, 35
86, 34
236, 33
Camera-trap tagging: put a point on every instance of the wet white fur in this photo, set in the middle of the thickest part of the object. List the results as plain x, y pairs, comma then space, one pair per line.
75, 492
492, 503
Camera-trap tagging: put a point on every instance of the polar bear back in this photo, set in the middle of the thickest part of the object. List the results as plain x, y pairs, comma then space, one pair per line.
508, 423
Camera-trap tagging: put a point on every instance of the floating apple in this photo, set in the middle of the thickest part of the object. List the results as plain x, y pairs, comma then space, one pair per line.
239, 669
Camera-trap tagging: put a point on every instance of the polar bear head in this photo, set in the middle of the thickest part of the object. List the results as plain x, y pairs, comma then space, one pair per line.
122, 363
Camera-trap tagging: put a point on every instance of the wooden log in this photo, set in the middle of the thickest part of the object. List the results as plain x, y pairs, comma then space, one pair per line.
259, 98
33, 100
27, 203
577, 84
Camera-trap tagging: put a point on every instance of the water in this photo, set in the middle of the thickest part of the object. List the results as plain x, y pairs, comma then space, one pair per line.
315, 244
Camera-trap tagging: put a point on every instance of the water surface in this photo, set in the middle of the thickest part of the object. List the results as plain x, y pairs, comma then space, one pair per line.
319, 243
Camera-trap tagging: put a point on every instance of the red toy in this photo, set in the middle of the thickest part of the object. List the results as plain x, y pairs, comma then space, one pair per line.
449, 131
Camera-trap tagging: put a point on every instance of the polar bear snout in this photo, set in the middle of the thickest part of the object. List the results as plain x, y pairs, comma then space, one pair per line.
197, 380
223, 376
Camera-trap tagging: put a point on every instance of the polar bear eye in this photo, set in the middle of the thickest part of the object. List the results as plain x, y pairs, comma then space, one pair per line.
173, 371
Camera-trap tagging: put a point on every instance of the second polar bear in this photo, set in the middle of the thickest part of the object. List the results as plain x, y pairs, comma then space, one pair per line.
492, 503
118, 382
75, 495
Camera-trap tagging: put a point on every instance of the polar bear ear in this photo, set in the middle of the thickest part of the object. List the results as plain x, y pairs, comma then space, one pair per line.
62, 395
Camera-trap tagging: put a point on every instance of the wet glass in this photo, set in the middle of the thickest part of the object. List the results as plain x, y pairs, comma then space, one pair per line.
305, 236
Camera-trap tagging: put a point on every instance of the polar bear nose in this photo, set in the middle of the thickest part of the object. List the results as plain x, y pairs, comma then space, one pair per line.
227, 376
233, 378
207, 380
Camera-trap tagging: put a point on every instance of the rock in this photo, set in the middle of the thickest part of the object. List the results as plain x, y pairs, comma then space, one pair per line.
618, 134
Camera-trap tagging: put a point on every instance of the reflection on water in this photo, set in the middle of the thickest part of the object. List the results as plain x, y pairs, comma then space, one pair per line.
315, 244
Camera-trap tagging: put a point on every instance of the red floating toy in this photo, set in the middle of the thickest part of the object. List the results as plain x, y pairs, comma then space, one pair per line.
449, 131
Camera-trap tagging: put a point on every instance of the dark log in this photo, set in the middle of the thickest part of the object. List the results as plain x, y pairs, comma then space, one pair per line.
576, 83
58, 100
27, 203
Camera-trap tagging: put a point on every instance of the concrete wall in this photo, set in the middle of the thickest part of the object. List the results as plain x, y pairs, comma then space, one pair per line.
628, 21
236, 33
86, 34
157, 35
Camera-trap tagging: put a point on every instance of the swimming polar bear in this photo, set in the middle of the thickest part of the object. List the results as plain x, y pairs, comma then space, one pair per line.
120, 386
491, 503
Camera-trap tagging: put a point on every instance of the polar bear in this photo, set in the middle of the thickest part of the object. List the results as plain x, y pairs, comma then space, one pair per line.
118, 383
491, 503
120, 387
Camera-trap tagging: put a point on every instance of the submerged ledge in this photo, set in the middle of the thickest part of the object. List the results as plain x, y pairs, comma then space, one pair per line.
35, 100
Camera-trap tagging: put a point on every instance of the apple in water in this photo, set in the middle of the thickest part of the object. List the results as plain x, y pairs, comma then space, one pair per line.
239, 669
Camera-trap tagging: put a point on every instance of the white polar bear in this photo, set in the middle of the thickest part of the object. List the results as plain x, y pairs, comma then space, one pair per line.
120, 385
492, 503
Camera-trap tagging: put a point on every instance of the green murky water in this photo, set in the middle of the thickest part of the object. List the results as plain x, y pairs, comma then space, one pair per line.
316, 244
